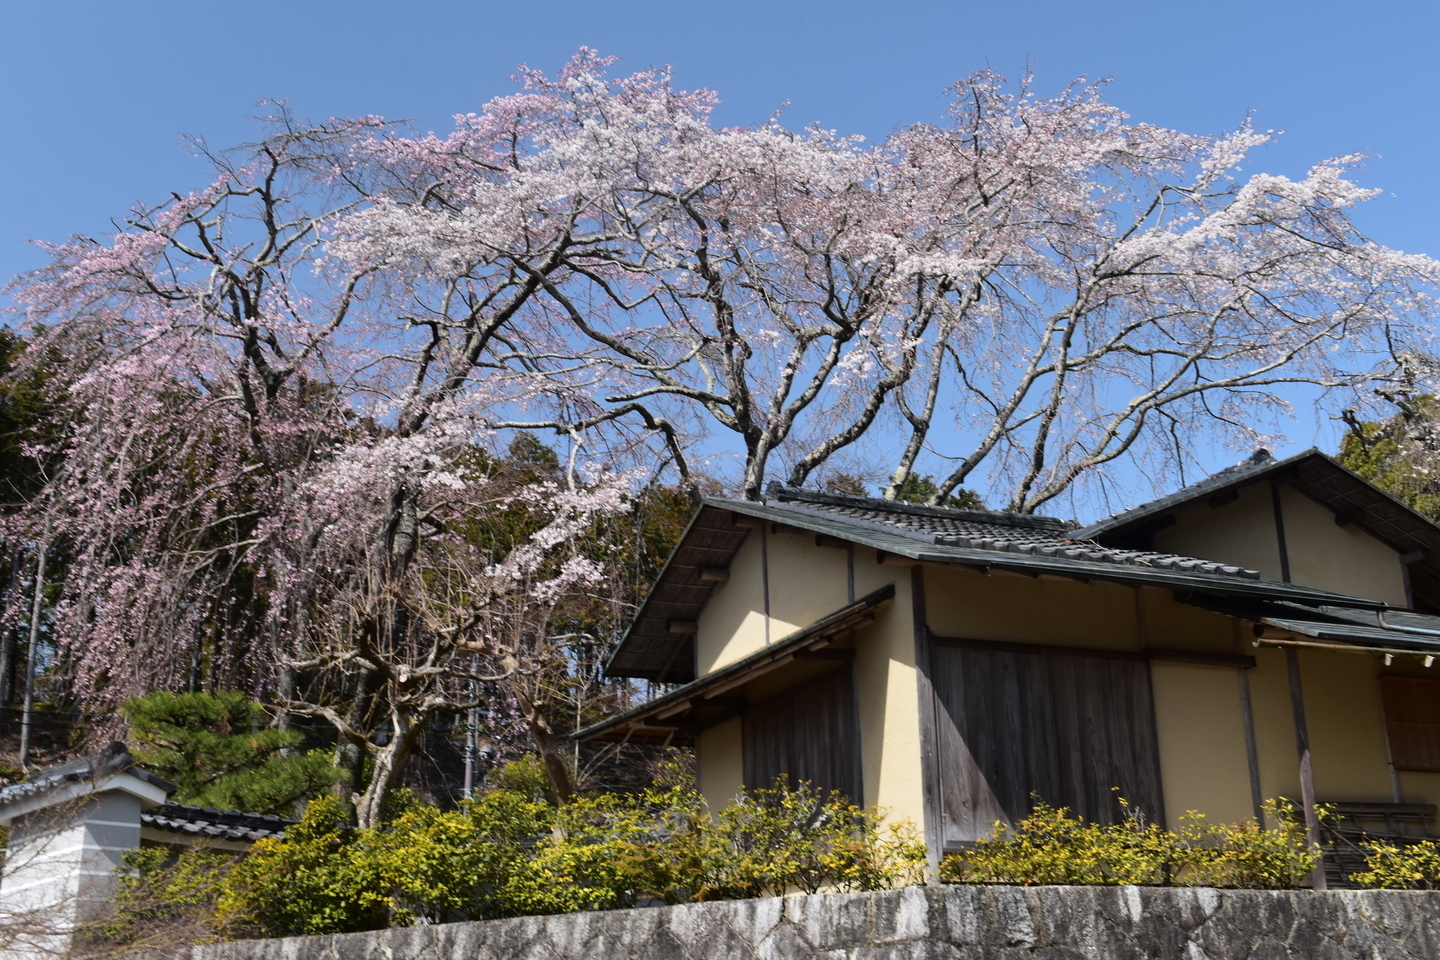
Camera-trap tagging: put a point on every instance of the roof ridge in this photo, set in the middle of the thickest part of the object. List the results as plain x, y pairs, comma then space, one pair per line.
1063, 545
999, 517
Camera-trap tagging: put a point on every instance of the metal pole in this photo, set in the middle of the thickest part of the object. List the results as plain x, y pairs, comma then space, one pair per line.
469, 753
28, 712
472, 723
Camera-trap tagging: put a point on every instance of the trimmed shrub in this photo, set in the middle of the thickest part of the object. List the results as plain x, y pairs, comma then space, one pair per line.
509, 854
1051, 847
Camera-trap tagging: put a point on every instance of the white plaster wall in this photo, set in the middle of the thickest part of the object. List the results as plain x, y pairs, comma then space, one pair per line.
60, 868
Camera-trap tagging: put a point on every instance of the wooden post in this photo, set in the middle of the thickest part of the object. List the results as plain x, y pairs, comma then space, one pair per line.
934, 825
1281, 546
1247, 715
1307, 770
1252, 756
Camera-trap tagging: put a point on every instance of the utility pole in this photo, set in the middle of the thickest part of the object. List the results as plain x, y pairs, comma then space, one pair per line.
27, 716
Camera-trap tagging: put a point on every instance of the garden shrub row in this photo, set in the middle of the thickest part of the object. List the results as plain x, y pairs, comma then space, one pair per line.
510, 853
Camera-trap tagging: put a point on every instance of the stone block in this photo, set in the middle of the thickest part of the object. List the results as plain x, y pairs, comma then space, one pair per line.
928, 923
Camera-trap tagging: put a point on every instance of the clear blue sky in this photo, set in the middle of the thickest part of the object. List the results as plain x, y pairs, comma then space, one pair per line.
95, 94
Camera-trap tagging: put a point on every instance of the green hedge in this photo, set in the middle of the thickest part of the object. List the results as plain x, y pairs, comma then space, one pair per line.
510, 854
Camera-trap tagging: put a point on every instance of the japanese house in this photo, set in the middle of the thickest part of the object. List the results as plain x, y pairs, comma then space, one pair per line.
1267, 632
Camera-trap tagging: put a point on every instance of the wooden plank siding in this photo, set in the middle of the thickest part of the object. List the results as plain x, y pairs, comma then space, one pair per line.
809, 733
1412, 721
1032, 721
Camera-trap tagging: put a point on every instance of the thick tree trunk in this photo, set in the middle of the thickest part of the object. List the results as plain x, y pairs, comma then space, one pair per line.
350, 755
389, 763
556, 770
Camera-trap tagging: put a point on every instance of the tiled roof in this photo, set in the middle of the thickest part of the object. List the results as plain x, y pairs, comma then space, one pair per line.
987, 530
208, 822
113, 758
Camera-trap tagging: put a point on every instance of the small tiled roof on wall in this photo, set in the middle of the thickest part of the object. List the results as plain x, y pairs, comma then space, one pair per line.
210, 823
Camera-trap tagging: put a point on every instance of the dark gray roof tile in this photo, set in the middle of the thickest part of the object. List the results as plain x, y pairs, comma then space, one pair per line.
191, 821
985, 530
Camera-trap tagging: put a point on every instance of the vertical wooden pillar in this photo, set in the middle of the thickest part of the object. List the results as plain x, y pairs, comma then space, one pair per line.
765, 574
1247, 715
1281, 546
1307, 770
934, 825
1252, 756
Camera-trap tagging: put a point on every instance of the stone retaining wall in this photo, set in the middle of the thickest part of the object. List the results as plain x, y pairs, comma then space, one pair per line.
956, 923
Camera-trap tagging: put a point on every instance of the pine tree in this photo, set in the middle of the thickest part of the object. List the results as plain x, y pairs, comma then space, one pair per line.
219, 751
1399, 455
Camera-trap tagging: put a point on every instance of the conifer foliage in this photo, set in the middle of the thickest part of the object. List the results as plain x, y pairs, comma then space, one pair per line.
221, 750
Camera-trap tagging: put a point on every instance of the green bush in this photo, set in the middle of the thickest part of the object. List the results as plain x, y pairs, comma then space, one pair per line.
1410, 867
509, 854
1051, 847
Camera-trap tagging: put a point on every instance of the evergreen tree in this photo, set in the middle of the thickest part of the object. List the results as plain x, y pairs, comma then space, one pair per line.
922, 489
218, 750
1398, 455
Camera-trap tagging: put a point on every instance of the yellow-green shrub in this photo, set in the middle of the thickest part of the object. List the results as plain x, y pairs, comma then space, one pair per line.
1051, 847
1410, 867
771, 841
162, 902
508, 854
321, 877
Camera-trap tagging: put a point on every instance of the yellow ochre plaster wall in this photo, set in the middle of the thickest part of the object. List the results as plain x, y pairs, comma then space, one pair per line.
721, 769
1242, 532
1322, 554
1343, 715
1346, 560
808, 582
1201, 732
887, 686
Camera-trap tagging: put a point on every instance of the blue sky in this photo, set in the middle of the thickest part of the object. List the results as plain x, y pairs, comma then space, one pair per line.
95, 95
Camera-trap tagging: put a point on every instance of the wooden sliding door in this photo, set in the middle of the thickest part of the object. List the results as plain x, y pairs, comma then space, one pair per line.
1015, 722
808, 733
